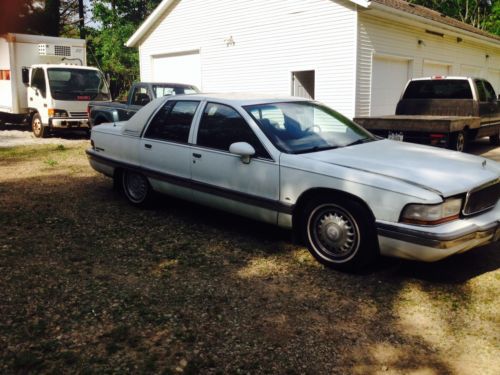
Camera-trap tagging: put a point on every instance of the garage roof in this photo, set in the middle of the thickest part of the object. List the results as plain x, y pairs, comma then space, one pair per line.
432, 15
396, 5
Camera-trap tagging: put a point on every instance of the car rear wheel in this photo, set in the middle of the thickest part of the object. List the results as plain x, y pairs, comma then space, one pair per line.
458, 141
495, 139
340, 234
136, 188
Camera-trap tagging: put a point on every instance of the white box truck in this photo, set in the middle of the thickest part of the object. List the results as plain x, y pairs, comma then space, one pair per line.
44, 81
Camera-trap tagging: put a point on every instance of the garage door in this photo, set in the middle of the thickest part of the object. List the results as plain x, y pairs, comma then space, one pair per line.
178, 68
389, 77
494, 78
435, 69
470, 71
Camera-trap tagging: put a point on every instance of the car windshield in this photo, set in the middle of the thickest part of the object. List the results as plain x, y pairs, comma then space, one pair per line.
77, 84
164, 90
301, 127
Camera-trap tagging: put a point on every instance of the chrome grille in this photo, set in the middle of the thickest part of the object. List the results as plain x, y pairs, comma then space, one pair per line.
78, 114
482, 198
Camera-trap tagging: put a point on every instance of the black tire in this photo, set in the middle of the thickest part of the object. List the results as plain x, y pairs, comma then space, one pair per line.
136, 188
495, 139
340, 234
39, 130
458, 141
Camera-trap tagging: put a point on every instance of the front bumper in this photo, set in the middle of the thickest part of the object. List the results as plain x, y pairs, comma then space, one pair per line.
430, 244
68, 123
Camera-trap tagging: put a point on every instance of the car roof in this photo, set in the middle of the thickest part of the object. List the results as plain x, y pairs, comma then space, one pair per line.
135, 125
240, 99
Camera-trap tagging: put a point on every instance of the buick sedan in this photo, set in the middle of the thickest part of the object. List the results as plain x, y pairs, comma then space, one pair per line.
300, 165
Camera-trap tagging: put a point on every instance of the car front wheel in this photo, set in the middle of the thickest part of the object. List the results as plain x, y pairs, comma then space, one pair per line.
340, 234
136, 188
39, 130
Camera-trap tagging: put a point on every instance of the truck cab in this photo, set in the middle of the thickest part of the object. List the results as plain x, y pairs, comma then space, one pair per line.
58, 95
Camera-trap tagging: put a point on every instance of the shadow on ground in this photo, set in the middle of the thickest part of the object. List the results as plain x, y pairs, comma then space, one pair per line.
91, 284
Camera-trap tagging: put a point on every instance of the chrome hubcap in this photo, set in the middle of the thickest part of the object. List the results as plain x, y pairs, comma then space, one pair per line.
460, 142
37, 125
334, 233
136, 186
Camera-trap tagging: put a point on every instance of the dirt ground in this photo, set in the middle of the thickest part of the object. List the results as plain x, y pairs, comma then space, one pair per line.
90, 284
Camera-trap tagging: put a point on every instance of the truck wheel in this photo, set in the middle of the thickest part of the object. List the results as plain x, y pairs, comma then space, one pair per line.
495, 139
39, 130
458, 141
339, 233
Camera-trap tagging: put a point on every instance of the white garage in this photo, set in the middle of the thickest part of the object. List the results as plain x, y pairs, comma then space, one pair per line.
354, 55
182, 67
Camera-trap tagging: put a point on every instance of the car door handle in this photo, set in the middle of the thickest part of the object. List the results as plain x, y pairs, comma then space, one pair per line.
147, 145
197, 155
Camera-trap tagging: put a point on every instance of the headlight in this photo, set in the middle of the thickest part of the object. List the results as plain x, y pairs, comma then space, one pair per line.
424, 214
57, 112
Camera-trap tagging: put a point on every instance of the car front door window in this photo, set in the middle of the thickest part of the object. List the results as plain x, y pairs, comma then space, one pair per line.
222, 126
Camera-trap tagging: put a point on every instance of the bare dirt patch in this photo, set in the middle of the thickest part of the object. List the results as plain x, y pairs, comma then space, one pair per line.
89, 284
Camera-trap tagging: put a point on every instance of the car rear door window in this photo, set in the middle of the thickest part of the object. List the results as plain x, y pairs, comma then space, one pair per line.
173, 121
222, 126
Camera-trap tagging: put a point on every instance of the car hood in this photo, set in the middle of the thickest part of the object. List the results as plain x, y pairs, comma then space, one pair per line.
445, 172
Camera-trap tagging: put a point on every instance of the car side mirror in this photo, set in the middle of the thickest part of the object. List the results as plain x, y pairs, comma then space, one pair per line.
244, 150
25, 73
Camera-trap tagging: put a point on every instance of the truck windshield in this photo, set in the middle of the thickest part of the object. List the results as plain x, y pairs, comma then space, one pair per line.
438, 89
302, 127
77, 84
163, 90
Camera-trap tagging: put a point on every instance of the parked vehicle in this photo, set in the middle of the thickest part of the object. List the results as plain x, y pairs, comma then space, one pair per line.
442, 111
298, 164
139, 95
38, 85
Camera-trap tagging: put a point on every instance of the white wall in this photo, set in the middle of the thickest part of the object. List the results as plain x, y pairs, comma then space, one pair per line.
379, 36
272, 38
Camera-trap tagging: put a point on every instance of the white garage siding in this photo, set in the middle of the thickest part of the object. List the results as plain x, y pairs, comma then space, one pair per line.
256, 45
494, 77
433, 55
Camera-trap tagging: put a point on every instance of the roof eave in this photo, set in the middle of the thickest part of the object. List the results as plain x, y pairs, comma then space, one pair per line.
135, 39
420, 19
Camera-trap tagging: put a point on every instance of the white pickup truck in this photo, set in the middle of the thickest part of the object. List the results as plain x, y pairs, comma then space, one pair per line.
299, 164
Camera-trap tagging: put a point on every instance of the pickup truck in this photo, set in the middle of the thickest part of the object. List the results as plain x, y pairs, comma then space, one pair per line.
139, 95
441, 111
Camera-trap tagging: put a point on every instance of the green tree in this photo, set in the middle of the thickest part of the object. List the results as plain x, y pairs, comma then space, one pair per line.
483, 14
116, 21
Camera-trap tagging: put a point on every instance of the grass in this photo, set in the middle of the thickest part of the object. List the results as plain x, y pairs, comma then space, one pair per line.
89, 284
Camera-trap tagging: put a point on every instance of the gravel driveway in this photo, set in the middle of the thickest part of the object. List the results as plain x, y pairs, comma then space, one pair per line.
18, 135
